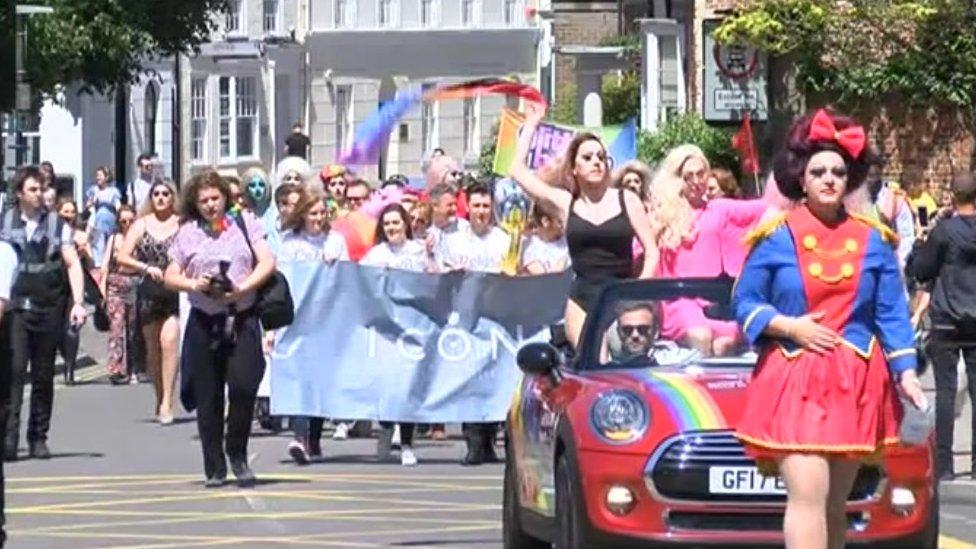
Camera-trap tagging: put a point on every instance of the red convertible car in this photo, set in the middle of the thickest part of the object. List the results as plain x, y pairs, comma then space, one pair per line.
630, 443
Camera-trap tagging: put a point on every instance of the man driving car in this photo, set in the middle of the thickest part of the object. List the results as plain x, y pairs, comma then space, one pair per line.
637, 329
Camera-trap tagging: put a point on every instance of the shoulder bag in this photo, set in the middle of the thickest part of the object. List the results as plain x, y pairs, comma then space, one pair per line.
274, 305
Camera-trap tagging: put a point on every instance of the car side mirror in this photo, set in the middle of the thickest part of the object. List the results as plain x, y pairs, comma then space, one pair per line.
539, 359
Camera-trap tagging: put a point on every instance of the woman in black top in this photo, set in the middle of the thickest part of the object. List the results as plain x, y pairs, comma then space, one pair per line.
601, 222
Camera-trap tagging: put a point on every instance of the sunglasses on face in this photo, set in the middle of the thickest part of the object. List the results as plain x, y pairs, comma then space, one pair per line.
639, 329
162, 194
356, 199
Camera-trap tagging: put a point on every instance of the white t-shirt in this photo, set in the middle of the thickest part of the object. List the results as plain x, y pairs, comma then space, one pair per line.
31, 225
457, 225
302, 246
8, 264
138, 192
552, 256
463, 249
410, 256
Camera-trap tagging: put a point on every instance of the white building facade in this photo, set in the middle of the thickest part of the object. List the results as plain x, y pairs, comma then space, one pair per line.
324, 63
361, 52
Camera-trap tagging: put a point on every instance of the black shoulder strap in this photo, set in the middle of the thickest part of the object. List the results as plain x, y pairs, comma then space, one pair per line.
239, 221
623, 203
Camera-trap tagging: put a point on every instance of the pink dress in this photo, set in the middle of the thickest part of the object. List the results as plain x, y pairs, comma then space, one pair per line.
716, 246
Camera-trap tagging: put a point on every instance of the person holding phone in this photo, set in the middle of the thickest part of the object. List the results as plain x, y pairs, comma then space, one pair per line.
211, 259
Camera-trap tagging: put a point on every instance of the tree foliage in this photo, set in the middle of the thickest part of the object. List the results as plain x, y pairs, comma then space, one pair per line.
861, 51
716, 143
621, 98
104, 43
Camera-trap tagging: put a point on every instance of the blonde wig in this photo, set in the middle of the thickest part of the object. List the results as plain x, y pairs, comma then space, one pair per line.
670, 208
297, 164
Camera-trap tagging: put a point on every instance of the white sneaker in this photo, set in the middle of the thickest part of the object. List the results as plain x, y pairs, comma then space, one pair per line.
407, 459
395, 441
341, 431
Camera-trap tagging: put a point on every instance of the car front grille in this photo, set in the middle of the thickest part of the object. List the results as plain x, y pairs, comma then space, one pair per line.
678, 470
742, 522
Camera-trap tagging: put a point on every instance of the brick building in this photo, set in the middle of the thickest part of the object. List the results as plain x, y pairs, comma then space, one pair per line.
921, 145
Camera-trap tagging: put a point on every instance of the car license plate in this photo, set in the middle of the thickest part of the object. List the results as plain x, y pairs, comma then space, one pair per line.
743, 480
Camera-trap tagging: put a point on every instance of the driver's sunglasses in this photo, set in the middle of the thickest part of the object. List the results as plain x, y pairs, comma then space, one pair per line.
640, 329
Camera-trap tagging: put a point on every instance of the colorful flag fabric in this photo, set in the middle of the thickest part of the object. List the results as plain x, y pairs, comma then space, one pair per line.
551, 140
745, 144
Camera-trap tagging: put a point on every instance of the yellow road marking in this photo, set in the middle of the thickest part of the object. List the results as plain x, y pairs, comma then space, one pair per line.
324, 515
276, 476
947, 542
311, 539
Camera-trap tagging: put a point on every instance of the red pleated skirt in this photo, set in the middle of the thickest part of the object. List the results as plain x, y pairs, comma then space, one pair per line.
839, 404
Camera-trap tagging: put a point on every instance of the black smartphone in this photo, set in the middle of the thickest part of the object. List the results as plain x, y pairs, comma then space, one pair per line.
923, 216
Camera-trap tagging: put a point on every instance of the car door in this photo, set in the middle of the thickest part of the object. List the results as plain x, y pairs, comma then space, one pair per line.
542, 404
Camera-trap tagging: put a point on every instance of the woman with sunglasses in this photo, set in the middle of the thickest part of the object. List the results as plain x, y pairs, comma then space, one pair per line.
601, 222
118, 287
698, 238
146, 251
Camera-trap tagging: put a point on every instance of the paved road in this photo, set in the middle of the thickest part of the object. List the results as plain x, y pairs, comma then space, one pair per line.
119, 480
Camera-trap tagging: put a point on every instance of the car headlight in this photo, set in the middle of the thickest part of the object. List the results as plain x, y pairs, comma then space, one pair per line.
619, 417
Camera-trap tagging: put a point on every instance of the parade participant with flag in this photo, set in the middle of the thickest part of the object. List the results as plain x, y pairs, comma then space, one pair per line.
600, 222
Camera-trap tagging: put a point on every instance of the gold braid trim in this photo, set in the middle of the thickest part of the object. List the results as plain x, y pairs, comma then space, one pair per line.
765, 229
887, 234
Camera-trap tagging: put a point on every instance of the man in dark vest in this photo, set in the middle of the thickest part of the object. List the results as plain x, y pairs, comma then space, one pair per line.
48, 274
8, 264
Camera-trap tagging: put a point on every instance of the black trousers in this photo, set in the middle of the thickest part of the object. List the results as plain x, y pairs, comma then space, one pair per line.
406, 431
216, 360
31, 344
944, 352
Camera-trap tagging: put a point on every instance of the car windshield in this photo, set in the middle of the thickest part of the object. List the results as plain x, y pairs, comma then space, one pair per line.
641, 324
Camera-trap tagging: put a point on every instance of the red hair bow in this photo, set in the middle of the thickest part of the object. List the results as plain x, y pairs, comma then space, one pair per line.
852, 139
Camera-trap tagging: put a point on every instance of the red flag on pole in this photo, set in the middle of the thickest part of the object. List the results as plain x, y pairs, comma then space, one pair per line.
744, 143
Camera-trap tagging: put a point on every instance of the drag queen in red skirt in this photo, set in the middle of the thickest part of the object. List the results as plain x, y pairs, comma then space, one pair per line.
822, 298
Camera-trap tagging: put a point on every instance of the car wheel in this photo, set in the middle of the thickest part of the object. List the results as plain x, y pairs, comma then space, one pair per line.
570, 514
513, 536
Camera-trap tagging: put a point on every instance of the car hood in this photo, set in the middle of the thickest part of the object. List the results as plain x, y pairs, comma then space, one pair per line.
682, 399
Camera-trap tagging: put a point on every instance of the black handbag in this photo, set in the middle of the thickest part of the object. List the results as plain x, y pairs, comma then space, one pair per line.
274, 305
100, 318
153, 290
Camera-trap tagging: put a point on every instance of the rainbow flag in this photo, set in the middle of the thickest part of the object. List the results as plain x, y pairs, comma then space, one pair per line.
551, 140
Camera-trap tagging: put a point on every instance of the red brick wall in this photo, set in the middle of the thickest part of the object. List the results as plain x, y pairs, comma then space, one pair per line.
922, 145
579, 28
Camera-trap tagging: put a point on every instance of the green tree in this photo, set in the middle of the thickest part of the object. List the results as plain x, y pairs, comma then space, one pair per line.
621, 98
690, 128
104, 43
857, 52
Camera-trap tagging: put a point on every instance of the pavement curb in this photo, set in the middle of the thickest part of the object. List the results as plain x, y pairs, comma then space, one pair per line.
963, 491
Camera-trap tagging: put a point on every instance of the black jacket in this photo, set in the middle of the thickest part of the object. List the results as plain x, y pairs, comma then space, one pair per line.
948, 258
